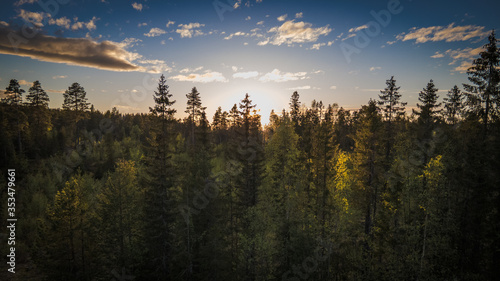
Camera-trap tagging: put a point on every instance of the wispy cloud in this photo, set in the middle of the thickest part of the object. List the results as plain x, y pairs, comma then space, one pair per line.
37, 19
373, 68
190, 30
246, 75
169, 23
22, 2
278, 76
155, 31
299, 15
207, 77
60, 77
292, 32
462, 56
300, 88
356, 29
450, 33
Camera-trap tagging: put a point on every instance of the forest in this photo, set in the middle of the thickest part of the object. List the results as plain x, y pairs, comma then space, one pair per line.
319, 193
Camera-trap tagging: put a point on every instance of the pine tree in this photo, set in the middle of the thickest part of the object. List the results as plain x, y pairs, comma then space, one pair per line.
37, 96
483, 95
13, 93
75, 98
453, 105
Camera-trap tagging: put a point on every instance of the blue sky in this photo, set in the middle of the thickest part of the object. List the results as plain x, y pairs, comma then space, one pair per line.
335, 51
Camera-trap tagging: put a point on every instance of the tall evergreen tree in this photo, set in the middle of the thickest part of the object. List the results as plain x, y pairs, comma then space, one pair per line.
13, 93
194, 109
484, 74
428, 114
453, 105
75, 98
160, 201
37, 96
295, 107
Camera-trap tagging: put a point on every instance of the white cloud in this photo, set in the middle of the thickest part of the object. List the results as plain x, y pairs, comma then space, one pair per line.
21, 2
142, 24
137, 6
300, 88
32, 17
356, 29
169, 23
282, 18
299, 15
60, 77
201, 78
90, 25
190, 30
277, 76
463, 56
373, 68
260, 22
317, 46
155, 31
248, 18
295, 32
450, 33
62, 22
234, 68
333, 88
187, 70
246, 75
239, 33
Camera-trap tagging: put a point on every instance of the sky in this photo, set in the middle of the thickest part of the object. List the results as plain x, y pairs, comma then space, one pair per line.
334, 51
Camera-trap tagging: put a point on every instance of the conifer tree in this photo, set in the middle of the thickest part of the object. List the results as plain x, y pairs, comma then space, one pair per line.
13, 93
484, 74
453, 105
160, 201
37, 96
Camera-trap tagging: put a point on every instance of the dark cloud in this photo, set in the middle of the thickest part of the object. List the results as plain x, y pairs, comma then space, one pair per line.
74, 51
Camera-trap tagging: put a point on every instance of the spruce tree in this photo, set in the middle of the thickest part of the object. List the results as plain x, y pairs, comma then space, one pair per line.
428, 114
160, 201
75, 98
484, 74
453, 105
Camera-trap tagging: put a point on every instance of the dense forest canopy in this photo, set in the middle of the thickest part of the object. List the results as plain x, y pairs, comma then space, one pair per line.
320, 193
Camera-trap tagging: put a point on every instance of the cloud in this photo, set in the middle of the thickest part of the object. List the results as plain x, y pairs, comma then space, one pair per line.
450, 33
187, 70
190, 30
317, 46
62, 22
282, 18
106, 55
208, 77
333, 88
246, 75
299, 15
260, 22
169, 23
32, 17
137, 6
21, 2
463, 56
248, 18
60, 77
239, 33
234, 68
356, 29
292, 32
89, 25
142, 24
24, 83
373, 68
300, 88
277, 76
155, 31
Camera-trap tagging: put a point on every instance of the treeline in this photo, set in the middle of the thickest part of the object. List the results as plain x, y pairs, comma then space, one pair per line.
321, 193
